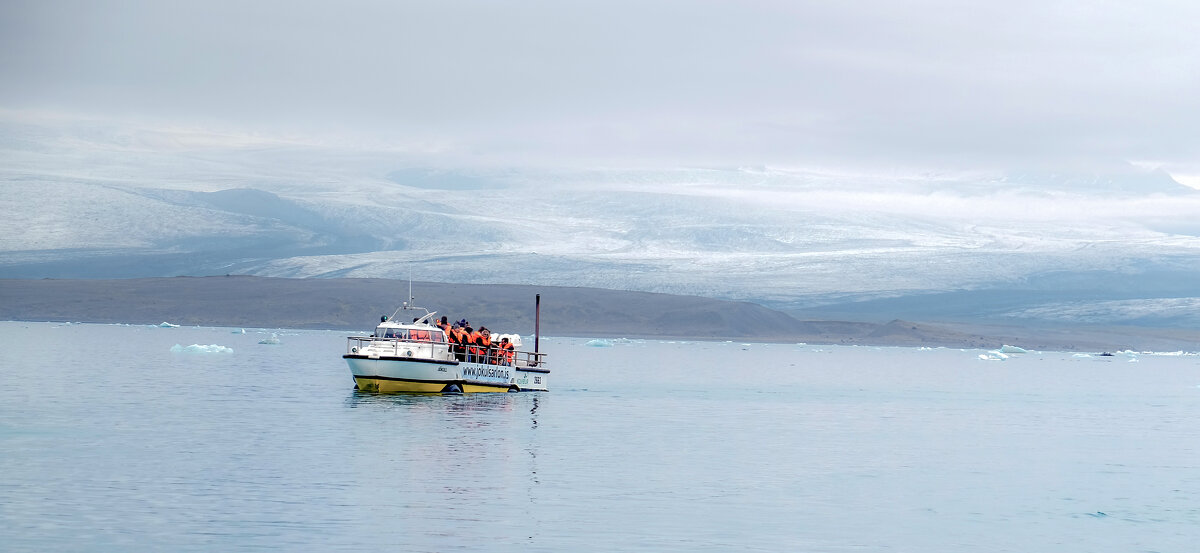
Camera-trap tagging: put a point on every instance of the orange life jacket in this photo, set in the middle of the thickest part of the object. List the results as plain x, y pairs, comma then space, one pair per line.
485, 347
509, 352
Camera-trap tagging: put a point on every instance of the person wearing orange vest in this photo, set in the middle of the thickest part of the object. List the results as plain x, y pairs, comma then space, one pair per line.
485, 343
506, 352
450, 339
473, 341
458, 341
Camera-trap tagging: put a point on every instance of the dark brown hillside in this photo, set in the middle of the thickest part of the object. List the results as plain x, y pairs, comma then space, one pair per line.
357, 304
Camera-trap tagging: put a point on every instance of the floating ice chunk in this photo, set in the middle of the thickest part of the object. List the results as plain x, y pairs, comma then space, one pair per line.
599, 343
993, 355
165, 324
198, 348
274, 339
1012, 349
239, 331
1082, 355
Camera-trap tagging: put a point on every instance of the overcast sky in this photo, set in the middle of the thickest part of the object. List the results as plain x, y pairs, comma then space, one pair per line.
926, 85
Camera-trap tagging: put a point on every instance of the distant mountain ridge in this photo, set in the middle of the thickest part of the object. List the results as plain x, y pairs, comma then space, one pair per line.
97, 201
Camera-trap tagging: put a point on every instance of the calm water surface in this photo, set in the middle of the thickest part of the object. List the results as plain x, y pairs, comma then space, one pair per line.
109, 441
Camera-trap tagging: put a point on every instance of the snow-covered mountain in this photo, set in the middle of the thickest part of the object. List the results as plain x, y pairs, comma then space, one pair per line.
97, 201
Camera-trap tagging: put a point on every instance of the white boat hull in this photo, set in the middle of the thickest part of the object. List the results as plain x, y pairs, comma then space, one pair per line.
403, 374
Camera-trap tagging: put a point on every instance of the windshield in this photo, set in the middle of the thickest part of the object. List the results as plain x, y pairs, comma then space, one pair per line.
413, 334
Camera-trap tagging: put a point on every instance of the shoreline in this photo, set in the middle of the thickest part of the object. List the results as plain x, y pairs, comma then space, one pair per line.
355, 305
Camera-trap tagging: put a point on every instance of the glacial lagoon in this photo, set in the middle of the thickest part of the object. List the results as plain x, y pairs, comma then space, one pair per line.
114, 439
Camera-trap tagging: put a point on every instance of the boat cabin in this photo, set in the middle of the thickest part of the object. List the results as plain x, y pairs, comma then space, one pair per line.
410, 332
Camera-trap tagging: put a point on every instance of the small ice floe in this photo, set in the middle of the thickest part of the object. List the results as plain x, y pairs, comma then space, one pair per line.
273, 340
239, 331
993, 355
924, 348
165, 324
1082, 355
199, 348
1012, 349
599, 343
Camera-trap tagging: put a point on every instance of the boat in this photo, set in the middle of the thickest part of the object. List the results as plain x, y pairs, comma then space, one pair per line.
416, 357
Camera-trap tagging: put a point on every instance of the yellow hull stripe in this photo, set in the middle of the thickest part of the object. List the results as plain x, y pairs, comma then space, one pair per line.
475, 388
388, 386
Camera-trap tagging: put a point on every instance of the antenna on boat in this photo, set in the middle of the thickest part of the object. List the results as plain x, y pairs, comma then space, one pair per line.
537, 322
411, 299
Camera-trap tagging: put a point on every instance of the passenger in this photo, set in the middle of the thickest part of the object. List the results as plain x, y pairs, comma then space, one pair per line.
455, 337
507, 351
445, 326
485, 343
473, 341
464, 341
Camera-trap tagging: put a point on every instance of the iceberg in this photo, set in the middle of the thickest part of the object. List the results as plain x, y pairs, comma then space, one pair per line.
993, 355
1012, 349
239, 331
198, 348
599, 343
165, 324
274, 339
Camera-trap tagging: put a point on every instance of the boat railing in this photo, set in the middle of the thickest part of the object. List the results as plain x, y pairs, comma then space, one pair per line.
529, 360
407, 347
396, 347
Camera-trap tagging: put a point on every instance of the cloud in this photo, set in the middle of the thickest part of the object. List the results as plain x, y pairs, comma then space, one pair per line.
863, 84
